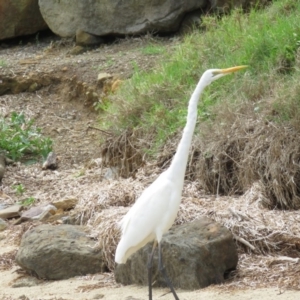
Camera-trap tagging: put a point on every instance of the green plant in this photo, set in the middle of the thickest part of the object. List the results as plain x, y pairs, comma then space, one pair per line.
3, 63
28, 201
152, 49
19, 189
19, 137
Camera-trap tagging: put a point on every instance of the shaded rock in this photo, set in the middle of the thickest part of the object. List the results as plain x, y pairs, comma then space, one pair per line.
11, 212
40, 213
75, 218
20, 17
102, 18
86, 39
190, 21
3, 225
195, 255
114, 17
59, 252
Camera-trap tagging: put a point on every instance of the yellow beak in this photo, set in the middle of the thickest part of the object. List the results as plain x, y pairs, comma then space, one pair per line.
233, 69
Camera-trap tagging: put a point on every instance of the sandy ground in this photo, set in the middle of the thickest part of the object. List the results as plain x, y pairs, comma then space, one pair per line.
102, 286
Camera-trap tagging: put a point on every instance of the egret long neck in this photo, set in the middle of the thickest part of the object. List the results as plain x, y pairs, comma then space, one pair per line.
176, 171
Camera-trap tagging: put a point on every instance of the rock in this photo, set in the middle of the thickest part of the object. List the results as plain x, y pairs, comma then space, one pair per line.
77, 50
3, 225
59, 252
25, 282
86, 39
23, 297
65, 204
11, 212
50, 162
102, 77
40, 213
195, 255
114, 17
20, 17
33, 87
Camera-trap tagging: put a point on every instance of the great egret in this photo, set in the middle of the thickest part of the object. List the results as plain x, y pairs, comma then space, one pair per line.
155, 211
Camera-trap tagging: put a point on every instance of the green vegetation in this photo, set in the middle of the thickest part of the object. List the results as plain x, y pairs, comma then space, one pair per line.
19, 137
267, 40
28, 201
152, 49
2, 63
19, 189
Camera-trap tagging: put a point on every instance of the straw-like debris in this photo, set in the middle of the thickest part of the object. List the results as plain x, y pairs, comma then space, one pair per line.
267, 240
7, 260
252, 149
123, 152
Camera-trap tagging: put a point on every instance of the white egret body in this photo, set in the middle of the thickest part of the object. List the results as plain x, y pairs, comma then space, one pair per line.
154, 212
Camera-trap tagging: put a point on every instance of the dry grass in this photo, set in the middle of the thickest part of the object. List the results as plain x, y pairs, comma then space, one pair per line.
268, 241
248, 147
7, 260
123, 152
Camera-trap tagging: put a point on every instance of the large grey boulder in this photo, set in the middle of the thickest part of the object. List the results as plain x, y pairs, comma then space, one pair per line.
195, 255
20, 17
114, 17
59, 252
106, 17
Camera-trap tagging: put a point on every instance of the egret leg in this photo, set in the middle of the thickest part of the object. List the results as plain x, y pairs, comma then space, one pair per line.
163, 271
149, 266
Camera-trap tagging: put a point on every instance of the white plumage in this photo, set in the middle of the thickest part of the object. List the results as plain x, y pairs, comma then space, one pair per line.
155, 211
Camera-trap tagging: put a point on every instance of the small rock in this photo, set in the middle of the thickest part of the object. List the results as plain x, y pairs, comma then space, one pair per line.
86, 39
3, 225
66, 204
23, 297
77, 50
33, 87
25, 282
111, 173
41, 213
11, 212
98, 296
102, 77
51, 162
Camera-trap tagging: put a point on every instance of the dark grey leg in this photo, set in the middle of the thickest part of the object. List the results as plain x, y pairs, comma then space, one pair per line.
163, 271
149, 266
